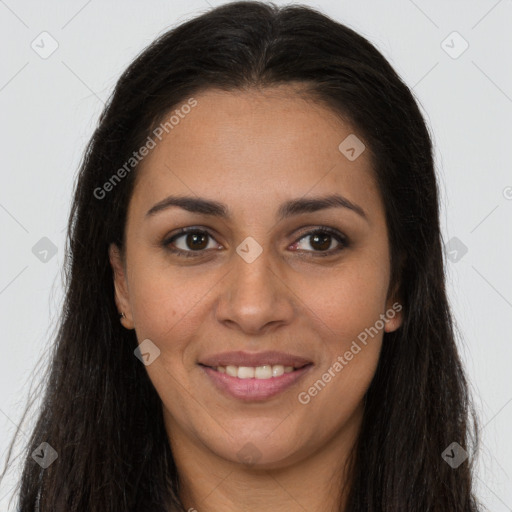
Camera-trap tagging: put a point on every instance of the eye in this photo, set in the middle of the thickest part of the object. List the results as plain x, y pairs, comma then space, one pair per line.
321, 241
194, 241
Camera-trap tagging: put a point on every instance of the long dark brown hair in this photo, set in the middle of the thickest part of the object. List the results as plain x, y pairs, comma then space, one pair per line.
100, 411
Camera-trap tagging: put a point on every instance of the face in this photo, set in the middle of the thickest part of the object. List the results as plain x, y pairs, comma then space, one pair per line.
261, 288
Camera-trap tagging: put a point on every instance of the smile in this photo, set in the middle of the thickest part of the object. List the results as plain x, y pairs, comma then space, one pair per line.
254, 383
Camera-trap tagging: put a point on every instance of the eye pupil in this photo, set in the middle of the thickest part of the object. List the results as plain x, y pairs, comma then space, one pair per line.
321, 236
193, 238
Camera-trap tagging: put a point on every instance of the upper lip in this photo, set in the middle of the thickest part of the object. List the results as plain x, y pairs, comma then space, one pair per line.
241, 358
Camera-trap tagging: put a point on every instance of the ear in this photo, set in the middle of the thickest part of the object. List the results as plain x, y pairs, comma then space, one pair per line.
121, 286
394, 311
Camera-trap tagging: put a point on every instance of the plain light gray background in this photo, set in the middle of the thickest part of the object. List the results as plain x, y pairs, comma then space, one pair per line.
50, 107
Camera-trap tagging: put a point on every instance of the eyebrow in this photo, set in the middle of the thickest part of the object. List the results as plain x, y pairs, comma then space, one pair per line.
286, 210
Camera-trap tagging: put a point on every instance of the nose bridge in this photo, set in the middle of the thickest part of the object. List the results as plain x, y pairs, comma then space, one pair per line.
254, 295
252, 269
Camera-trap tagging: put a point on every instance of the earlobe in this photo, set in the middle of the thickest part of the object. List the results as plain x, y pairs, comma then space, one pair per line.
121, 287
394, 306
394, 316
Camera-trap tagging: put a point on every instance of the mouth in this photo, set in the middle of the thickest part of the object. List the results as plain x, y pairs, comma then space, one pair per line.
242, 359
262, 372
254, 376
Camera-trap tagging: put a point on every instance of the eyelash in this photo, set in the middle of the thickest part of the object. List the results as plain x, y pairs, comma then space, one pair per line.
339, 237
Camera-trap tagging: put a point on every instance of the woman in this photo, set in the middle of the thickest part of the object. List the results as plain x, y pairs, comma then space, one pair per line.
255, 305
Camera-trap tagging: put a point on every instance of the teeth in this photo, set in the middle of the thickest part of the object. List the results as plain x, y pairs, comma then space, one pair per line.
278, 370
259, 372
263, 372
232, 371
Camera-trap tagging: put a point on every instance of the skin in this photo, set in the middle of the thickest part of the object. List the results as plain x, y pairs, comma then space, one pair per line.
253, 150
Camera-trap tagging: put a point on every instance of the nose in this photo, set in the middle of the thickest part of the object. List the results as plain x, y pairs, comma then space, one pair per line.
255, 296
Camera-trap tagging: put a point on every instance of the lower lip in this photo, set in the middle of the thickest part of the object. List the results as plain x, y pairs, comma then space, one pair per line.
254, 389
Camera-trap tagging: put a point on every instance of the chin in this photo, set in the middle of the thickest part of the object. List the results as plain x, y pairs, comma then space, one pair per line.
260, 452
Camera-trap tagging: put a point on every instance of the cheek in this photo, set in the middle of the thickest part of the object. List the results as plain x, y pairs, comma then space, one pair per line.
351, 343
165, 301
168, 306
335, 397
347, 302
346, 310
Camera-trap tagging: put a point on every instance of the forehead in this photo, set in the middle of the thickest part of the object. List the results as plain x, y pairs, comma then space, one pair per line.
255, 145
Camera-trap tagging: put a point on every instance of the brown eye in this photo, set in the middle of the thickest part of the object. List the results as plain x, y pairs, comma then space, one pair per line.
196, 241
321, 241
188, 241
